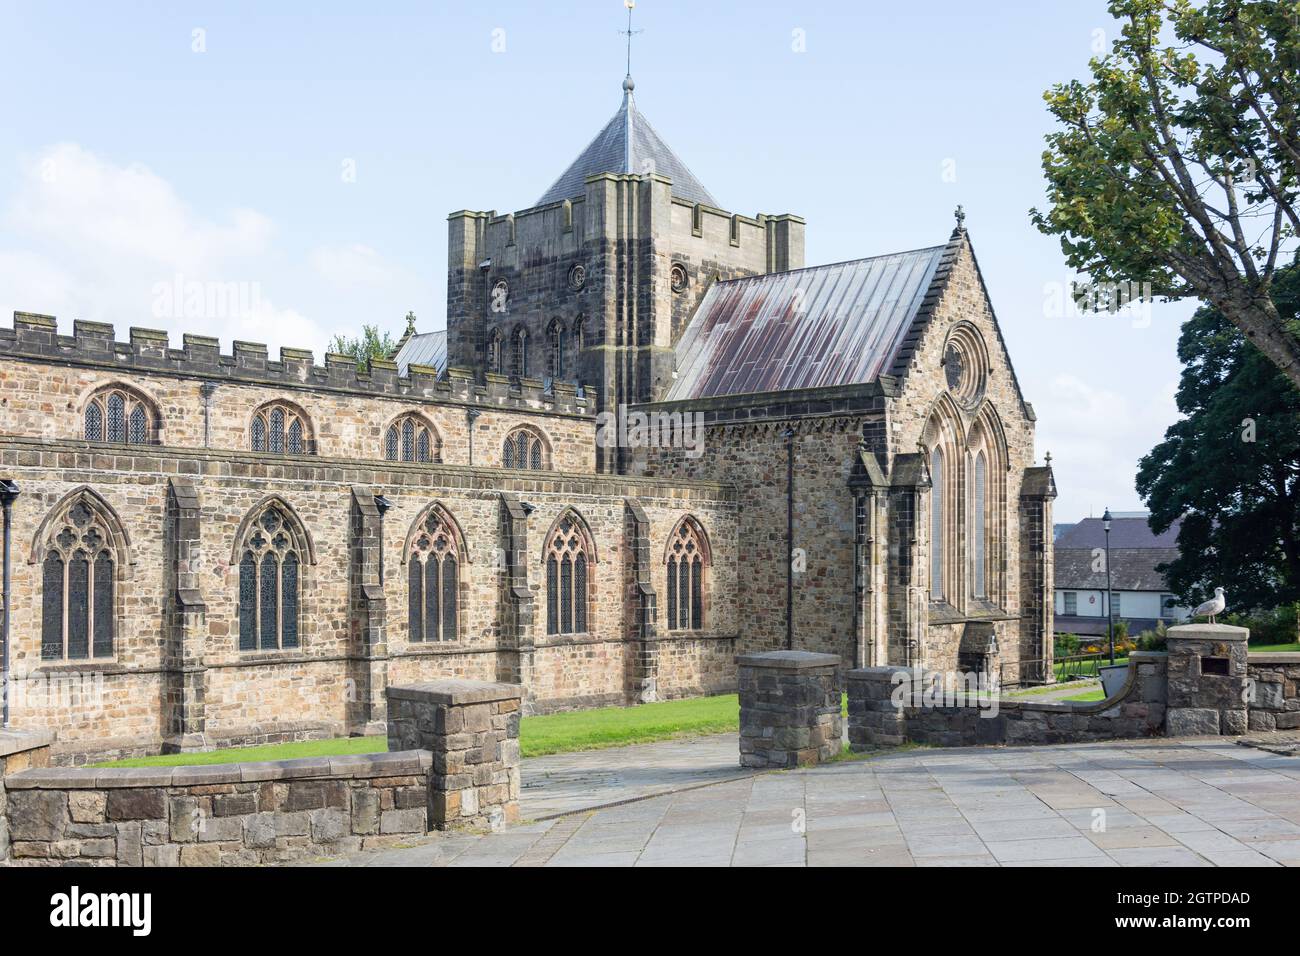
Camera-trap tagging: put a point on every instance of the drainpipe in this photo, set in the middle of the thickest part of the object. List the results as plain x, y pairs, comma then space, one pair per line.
206, 390
472, 416
788, 435
8, 492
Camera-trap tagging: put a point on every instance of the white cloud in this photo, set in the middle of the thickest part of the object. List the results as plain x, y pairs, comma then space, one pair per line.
354, 264
93, 239
1097, 436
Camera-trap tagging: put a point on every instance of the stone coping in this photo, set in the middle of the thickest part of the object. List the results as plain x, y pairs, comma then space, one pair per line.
1273, 657
1207, 632
789, 660
457, 692
17, 741
358, 766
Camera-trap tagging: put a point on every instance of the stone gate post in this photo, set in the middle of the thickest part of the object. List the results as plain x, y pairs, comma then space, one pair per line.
1207, 680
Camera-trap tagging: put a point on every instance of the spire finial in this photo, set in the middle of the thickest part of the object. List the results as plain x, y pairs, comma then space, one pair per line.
628, 85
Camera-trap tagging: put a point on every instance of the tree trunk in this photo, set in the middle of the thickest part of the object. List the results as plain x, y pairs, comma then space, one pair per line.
1263, 326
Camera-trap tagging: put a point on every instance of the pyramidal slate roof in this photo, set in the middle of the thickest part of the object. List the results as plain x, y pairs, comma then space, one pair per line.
839, 324
627, 144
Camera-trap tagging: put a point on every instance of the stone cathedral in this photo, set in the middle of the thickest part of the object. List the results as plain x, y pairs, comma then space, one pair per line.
214, 549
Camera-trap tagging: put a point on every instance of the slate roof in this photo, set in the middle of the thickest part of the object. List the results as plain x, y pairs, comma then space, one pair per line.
1131, 569
837, 324
425, 348
1124, 533
627, 144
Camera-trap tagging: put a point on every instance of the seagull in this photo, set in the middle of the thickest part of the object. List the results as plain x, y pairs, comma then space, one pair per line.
1212, 607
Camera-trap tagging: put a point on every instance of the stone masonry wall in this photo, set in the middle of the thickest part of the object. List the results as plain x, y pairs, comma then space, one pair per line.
1273, 691
232, 814
112, 707
877, 719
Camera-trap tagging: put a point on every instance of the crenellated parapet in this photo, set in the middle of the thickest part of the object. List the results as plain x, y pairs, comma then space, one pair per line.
94, 344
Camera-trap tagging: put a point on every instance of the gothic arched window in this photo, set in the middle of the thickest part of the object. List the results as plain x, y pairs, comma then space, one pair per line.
433, 564
687, 561
555, 350
524, 448
569, 555
937, 493
519, 353
119, 414
281, 429
271, 556
494, 363
979, 520
80, 549
412, 438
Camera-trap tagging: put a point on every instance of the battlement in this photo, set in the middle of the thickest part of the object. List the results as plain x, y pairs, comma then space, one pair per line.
36, 338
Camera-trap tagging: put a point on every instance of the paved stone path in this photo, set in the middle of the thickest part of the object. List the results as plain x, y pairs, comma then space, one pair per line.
1128, 803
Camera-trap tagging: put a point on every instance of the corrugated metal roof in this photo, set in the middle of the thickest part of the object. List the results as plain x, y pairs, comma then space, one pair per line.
627, 144
426, 348
837, 324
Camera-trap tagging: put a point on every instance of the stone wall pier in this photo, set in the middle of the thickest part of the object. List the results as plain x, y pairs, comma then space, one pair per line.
789, 708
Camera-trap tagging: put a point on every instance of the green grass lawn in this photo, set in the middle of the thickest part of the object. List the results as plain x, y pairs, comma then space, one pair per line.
1274, 648
548, 734
1094, 694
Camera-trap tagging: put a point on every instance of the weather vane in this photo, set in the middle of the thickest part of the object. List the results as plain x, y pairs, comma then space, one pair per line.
629, 32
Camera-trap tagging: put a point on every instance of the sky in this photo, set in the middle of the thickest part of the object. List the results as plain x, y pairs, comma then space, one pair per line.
295, 166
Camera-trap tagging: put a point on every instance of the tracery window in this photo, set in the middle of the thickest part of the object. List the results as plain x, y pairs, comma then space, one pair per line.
117, 414
568, 561
523, 448
979, 524
937, 506
687, 559
519, 353
412, 438
555, 351
494, 362
270, 581
280, 429
79, 582
433, 580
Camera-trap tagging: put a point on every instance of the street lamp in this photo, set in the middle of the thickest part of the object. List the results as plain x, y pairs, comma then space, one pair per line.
1110, 614
8, 493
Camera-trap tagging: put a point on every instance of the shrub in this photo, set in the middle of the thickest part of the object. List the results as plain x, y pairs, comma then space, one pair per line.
1278, 626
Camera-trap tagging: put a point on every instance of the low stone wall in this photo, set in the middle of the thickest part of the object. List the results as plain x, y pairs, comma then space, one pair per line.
789, 708
19, 750
472, 730
891, 705
1207, 680
1273, 691
231, 814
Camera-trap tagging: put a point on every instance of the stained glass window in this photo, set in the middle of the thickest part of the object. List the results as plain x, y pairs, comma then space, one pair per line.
411, 439
523, 449
94, 422
248, 602
936, 524
270, 583
280, 430
117, 414
978, 520
686, 559
116, 417
566, 578
79, 583
433, 581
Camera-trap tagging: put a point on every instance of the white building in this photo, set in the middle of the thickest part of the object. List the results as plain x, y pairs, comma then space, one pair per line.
1138, 589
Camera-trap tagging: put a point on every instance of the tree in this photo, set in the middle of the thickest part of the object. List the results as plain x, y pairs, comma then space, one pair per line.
1177, 163
1230, 468
370, 345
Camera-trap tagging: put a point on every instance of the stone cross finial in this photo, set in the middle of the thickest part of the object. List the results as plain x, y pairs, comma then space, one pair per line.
1048, 459
410, 322
960, 215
